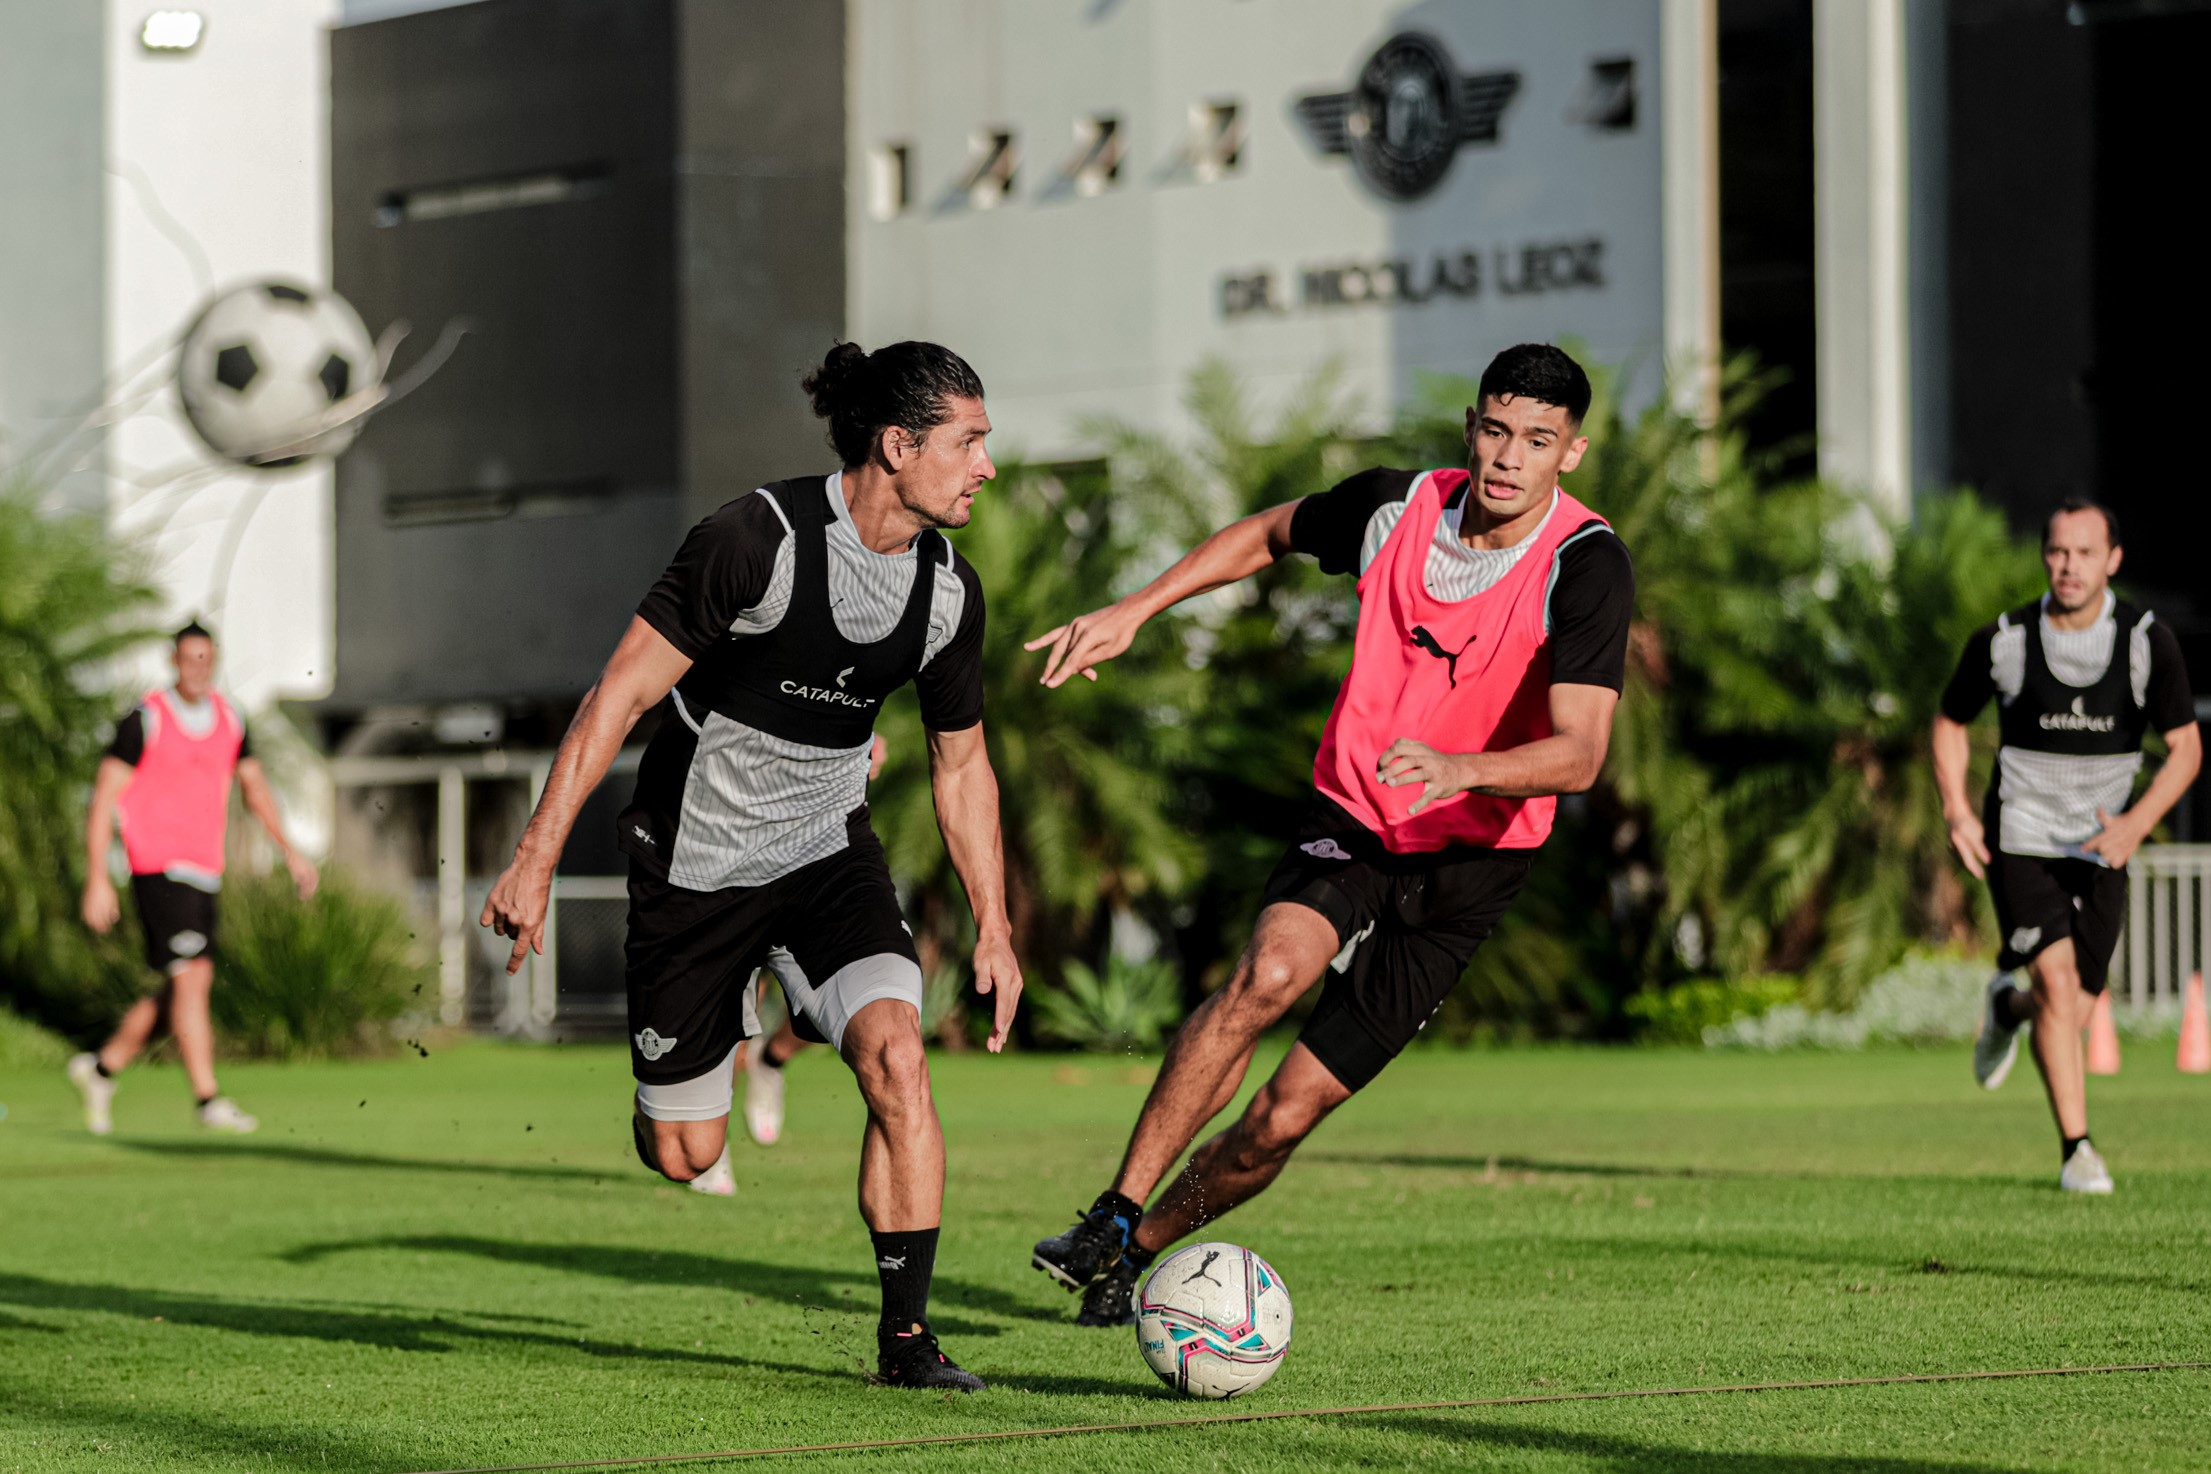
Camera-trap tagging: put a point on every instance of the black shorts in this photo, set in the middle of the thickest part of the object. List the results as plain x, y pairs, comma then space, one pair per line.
178, 919
690, 955
2041, 900
1411, 923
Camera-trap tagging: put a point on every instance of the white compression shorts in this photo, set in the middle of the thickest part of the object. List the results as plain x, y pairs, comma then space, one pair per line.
829, 1008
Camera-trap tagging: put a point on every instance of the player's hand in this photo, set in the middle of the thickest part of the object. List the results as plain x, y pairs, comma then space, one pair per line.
1441, 774
877, 751
998, 974
305, 877
2116, 842
516, 908
1970, 842
1080, 646
101, 909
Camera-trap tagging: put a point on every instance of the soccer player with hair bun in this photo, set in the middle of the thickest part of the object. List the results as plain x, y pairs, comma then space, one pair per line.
785, 620
1493, 622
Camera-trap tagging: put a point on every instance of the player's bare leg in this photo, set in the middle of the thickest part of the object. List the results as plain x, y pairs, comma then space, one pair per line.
189, 1022
1204, 1068
2059, 1008
1209, 1054
681, 1151
141, 1021
1239, 1163
902, 1151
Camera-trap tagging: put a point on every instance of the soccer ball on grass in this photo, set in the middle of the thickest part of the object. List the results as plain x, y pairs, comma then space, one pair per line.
1213, 1320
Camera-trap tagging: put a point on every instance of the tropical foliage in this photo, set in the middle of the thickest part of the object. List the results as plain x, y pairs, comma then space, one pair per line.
1130, 1008
71, 602
1767, 807
313, 979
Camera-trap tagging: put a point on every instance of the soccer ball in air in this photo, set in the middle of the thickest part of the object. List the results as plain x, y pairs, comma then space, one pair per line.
273, 373
1213, 1320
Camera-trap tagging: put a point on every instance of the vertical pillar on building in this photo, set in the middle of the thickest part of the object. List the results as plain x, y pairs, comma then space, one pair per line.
1862, 248
1689, 103
452, 896
544, 969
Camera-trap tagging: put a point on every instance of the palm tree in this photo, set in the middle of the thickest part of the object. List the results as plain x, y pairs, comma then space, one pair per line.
71, 602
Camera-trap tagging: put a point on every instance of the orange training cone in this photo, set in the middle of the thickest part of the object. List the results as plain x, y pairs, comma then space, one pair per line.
2194, 1057
2103, 1038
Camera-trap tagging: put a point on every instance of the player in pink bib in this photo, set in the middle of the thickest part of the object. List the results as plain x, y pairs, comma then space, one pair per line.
1493, 620
168, 773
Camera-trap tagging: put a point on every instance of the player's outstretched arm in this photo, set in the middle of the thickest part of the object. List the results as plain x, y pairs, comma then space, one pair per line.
1237, 551
966, 791
253, 783
1953, 748
101, 908
1567, 761
638, 676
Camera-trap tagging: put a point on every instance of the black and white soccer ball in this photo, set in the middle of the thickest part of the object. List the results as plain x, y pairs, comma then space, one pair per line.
274, 372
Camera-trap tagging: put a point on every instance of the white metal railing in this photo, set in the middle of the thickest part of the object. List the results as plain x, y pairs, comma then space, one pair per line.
2168, 905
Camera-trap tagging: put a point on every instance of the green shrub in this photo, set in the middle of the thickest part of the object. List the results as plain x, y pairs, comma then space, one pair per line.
1682, 1013
312, 979
1130, 1009
26, 1046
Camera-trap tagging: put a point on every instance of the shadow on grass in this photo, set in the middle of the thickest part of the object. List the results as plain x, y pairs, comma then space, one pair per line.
666, 1268
108, 1432
1625, 1456
1840, 1258
1507, 1163
397, 1331
317, 1156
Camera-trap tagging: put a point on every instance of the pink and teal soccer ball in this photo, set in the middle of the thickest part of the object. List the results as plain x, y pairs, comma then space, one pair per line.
1213, 1320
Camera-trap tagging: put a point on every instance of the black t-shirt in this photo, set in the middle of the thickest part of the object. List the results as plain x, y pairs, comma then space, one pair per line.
1591, 602
2168, 701
733, 576
129, 741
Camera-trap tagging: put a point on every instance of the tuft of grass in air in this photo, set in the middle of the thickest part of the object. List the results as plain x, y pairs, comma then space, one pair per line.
430, 1263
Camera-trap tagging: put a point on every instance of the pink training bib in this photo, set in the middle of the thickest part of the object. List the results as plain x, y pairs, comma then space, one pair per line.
177, 807
1471, 675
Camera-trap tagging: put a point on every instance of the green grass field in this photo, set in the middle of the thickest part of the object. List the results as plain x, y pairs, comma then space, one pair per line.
455, 1261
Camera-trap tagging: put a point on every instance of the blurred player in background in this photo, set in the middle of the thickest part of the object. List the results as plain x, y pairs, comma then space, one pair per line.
785, 620
168, 774
1492, 637
2079, 676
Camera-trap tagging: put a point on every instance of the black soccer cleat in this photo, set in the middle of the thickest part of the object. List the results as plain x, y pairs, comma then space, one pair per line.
1112, 1300
1080, 1257
913, 1359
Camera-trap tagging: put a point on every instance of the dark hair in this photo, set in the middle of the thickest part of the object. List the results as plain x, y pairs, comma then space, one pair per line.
194, 630
861, 394
2083, 504
1540, 372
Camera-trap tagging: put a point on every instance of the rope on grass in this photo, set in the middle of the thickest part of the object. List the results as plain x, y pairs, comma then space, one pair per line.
1158, 1424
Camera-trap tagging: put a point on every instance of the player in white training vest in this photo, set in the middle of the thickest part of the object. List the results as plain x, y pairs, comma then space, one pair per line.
2079, 675
784, 621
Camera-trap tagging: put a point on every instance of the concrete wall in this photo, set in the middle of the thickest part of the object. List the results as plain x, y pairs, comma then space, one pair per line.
52, 227
1071, 304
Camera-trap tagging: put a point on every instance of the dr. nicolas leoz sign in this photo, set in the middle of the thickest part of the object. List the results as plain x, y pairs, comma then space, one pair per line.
1509, 271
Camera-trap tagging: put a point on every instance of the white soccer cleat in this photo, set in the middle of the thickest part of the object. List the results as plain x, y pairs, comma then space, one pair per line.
764, 1102
98, 1092
222, 1114
1997, 1048
2085, 1172
717, 1180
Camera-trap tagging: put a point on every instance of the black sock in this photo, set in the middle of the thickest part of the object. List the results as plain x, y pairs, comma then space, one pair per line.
1123, 1210
906, 1261
101, 1070
2073, 1144
1138, 1259
2007, 1005
768, 1058
204, 1099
